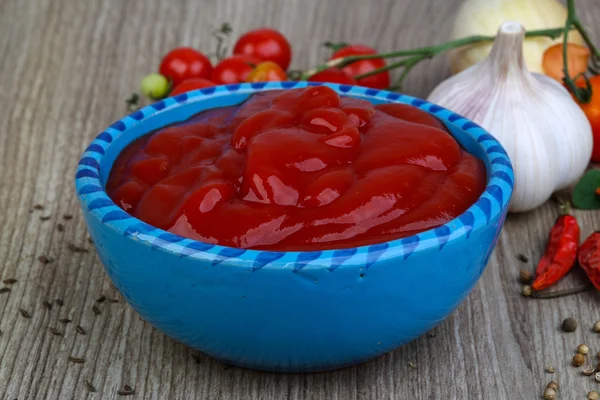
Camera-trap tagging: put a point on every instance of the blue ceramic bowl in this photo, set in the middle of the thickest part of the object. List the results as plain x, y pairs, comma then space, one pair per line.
290, 311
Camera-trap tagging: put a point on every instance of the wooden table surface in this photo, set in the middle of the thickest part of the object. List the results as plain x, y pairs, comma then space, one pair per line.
65, 68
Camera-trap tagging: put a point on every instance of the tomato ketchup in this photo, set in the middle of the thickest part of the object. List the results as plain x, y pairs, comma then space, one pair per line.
297, 170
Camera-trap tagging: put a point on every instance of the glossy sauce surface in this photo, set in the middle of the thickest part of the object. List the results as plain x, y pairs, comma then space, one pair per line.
301, 169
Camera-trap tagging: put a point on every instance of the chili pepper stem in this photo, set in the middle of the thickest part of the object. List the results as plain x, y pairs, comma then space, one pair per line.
561, 293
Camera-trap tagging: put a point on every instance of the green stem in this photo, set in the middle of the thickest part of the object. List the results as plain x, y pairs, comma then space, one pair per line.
422, 53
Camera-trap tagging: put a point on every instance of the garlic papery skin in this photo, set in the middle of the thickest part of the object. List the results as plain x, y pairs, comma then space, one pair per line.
545, 133
483, 17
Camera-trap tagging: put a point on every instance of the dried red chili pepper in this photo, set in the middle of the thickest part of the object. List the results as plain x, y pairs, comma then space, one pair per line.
561, 252
589, 258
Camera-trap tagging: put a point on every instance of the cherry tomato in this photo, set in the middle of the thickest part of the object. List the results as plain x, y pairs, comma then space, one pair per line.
191, 84
265, 44
184, 63
592, 112
378, 81
234, 69
267, 71
333, 75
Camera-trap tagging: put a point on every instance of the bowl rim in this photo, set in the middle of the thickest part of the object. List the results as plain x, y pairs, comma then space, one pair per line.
492, 203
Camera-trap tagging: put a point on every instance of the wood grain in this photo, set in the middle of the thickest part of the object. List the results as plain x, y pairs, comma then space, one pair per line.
67, 65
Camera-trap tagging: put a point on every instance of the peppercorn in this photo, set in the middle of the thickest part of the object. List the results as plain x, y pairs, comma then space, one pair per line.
525, 277
597, 327
593, 395
552, 385
526, 291
569, 325
583, 349
549, 394
578, 360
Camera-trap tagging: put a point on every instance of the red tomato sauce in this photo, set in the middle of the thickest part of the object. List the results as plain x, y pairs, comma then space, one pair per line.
301, 169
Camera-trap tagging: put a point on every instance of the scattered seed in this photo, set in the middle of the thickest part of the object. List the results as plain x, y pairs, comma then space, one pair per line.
59, 302
101, 299
89, 386
526, 291
583, 349
552, 385
67, 217
522, 257
412, 365
24, 313
432, 334
597, 377
80, 329
89, 239
9, 281
550, 370
76, 360
38, 207
64, 320
525, 277
45, 217
596, 327
96, 310
197, 359
4, 290
47, 304
45, 259
549, 394
55, 331
578, 360
569, 325
593, 395
588, 370
60, 227
76, 249
126, 391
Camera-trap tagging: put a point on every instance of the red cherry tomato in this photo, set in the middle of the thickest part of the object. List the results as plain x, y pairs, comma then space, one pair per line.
592, 112
378, 81
184, 63
333, 75
265, 44
191, 84
267, 71
234, 69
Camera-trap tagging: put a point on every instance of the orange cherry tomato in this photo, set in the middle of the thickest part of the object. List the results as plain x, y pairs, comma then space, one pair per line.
267, 71
191, 84
592, 112
577, 56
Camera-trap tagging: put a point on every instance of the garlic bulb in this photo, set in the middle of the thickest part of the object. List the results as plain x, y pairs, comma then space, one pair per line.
545, 133
483, 17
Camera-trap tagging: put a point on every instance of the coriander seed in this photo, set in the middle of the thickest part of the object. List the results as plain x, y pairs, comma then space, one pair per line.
526, 291
583, 349
569, 325
525, 277
550, 370
593, 395
549, 394
597, 327
552, 385
578, 360
597, 377
588, 370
